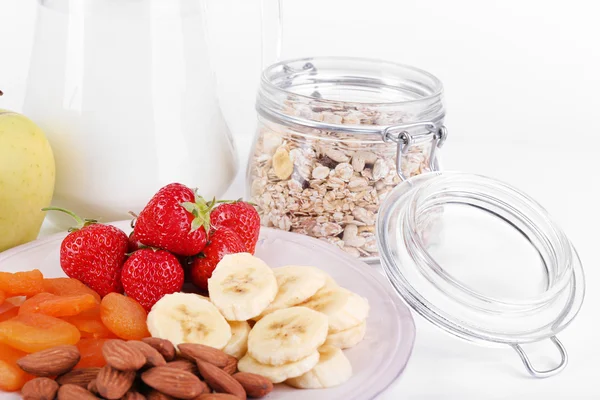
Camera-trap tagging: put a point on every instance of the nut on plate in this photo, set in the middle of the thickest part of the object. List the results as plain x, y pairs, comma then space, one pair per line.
74, 392
255, 385
193, 351
80, 376
220, 381
122, 355
174, 382
54, 361
40, 389
112, 384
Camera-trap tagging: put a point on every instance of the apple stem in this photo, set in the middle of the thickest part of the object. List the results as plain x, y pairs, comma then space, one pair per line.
80, 222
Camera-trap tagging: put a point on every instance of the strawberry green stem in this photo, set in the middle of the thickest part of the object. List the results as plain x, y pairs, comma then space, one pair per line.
80, 221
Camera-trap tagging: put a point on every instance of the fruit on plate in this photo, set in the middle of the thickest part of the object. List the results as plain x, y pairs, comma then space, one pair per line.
36, 332
150, 274
295, 285
332, 370
175, 219
94, 254
58, 306
278, 373
240, 217
238, 344
67, 287
26, 283
242, 286
287, 335
12, 377
222, 242
343, 308
124, 316
91, 353
90, 324
188, 318
9, 311
347, 338
27, 174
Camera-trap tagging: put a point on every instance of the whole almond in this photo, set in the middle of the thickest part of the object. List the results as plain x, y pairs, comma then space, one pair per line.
122, 356
255, 385
50, 362
174, 382
39, 389
80, 376
163, 346
231, 366
112, 384
220, 381
132, 395
92, 387
153, 357
186, 365
217, 396
74, 392
156, 395
193, 351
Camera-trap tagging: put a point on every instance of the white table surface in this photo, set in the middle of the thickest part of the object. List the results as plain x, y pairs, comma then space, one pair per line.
443, 367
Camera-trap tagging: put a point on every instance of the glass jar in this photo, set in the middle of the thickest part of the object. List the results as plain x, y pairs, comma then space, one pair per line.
334, 137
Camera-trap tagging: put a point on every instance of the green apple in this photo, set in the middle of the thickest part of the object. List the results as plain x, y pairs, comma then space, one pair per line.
27, 176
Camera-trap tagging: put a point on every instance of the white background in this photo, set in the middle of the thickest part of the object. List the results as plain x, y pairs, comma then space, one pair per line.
522, 88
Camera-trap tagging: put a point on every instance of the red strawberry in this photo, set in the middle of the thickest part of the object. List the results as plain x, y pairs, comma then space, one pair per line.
240, 217
150, 274
175, 219
222, 242
94, 254
132, 243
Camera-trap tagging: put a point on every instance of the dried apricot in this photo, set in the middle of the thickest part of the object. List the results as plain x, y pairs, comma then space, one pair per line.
12, 378
21, 283
89, 324
91, 353
9, 312
2, 297
68, 287
36, 332
58, 306
124, 316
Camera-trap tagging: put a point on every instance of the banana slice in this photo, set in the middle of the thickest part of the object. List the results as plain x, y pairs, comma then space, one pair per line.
242, 286
332, 369
279, 373
287, 335
343, 308
238, 344
347, 338
188, 318
296, 284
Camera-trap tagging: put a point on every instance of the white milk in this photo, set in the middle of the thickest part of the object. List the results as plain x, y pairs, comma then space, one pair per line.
126, 95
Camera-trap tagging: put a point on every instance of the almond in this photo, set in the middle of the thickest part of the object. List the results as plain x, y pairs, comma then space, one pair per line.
217, 396
133, 395
112, 384
174, 382
231, 366
80, 376
74, 392
163, 346
193, 351
220, 381
92, 387
153, 357
50, 362
39, 389
156, 395
186, 365
255, 385
122, 356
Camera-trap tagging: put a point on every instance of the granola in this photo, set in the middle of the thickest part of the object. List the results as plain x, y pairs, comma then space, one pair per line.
328, 184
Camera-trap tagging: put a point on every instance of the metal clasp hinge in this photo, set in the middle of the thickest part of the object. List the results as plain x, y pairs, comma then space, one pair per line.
400, 135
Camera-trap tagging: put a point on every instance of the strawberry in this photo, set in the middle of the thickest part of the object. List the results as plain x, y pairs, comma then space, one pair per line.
175, 219
222, 242
94, 254
150, 274
240, 217
132, 243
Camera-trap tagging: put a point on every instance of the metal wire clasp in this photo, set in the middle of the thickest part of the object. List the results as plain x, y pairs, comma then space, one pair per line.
400, 135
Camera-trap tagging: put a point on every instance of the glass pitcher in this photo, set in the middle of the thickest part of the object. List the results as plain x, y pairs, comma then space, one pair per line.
126, 93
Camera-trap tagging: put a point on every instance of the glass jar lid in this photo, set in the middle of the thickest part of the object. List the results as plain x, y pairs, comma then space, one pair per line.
481, 260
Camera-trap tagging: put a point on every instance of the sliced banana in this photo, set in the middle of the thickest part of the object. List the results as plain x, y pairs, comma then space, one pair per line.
279, 373
347, 338
238, 344
242, 286
188, 318
287, 335
332, 369
295, 285
343, 308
